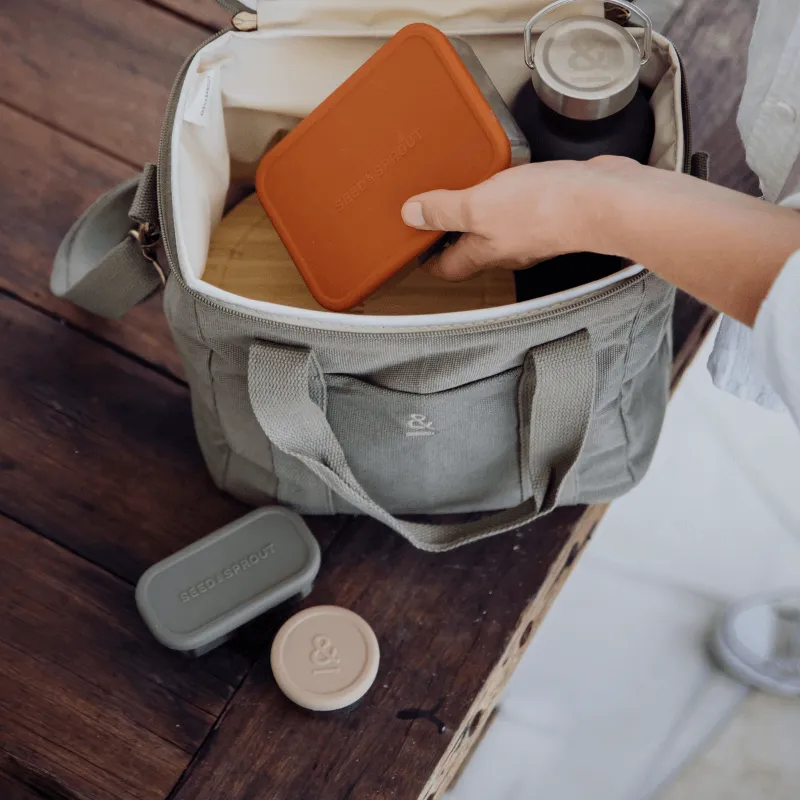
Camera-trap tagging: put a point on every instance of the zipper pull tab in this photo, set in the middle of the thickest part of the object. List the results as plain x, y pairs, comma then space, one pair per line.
245, 21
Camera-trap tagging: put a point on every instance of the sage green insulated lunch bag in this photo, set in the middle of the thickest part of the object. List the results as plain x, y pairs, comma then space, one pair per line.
515, 410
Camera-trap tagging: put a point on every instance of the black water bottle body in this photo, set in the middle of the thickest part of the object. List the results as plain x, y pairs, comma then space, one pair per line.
555, 137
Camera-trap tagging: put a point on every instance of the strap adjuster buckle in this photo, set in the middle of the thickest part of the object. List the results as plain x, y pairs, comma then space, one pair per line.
147, 236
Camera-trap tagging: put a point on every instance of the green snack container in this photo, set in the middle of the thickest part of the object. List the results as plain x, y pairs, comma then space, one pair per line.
195, 599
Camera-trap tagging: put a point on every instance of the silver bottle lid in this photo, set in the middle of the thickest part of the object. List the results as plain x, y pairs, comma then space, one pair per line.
585, 67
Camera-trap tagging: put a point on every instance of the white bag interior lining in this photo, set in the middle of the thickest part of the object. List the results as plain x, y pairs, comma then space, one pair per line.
244, 87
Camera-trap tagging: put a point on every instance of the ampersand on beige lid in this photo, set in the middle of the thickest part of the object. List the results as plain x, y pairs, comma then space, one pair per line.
325, 658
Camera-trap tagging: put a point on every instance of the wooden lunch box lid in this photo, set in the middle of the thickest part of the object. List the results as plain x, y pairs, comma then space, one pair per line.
409, 120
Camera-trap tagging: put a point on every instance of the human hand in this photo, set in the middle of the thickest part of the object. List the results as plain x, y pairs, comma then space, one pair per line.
720, 246
525, 214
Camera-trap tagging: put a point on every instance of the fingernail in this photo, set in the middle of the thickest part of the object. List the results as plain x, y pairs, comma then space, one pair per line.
412, 214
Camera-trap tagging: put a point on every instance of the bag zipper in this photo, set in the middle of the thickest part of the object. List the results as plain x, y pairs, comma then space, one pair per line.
686, 116
167, 226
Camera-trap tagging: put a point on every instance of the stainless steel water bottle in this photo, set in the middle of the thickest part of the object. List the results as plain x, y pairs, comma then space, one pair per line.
583, 100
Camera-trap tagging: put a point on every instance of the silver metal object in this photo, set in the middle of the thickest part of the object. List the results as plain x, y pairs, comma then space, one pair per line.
586, 67
148, 238
520, 151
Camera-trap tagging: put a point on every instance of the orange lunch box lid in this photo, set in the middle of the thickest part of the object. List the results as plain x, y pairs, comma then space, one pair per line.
409, 120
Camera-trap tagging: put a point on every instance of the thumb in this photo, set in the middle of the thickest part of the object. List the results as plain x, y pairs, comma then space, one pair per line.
441, 210
470, 255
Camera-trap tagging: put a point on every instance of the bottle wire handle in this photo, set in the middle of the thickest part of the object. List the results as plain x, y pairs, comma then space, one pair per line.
644, 49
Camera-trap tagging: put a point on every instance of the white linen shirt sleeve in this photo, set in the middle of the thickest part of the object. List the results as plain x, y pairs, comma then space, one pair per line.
754, 364
776, 336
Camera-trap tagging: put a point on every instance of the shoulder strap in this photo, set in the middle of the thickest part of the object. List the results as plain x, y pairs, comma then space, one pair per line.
106, 263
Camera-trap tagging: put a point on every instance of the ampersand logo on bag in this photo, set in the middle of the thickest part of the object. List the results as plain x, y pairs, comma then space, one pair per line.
418, 425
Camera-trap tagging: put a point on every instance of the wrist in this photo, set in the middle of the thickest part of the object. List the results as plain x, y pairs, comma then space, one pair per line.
615, 205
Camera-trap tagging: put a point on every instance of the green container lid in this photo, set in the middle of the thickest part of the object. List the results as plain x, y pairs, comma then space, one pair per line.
194, 600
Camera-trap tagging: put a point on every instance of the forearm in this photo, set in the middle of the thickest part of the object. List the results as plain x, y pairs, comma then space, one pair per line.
723, 247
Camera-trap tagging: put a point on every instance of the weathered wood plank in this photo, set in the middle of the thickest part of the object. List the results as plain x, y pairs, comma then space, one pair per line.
48, 180
87, 697
100, 70
31, 779
440, 619
98, 452
60, 607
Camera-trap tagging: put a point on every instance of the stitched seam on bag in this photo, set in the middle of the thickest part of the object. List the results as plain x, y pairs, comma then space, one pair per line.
655, 355
521, 450
575, 473
625, 380
523, 435
227, 464
341, 379
510, 320
520, 433
68, 261
319, 375
212, 387
248, 484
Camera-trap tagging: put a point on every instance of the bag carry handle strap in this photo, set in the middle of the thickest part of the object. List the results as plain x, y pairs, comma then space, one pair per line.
106, 263
556, 398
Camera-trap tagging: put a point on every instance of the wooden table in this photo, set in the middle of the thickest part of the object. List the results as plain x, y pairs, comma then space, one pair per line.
100, 476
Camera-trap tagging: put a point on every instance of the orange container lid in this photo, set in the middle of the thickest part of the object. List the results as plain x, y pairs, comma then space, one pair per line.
409, 120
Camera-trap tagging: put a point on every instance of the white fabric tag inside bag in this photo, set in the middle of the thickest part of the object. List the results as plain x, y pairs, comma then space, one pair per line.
198, 107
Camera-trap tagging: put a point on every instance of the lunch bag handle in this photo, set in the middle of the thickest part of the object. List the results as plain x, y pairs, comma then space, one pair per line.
556, 398
106, 263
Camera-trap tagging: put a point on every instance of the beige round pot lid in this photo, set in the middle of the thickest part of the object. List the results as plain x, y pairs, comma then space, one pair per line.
325, 658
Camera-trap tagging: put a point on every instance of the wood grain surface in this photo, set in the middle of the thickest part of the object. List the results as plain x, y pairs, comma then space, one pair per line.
486, 595
98, 452
84, 688
100, 70
100, 476
47, 180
